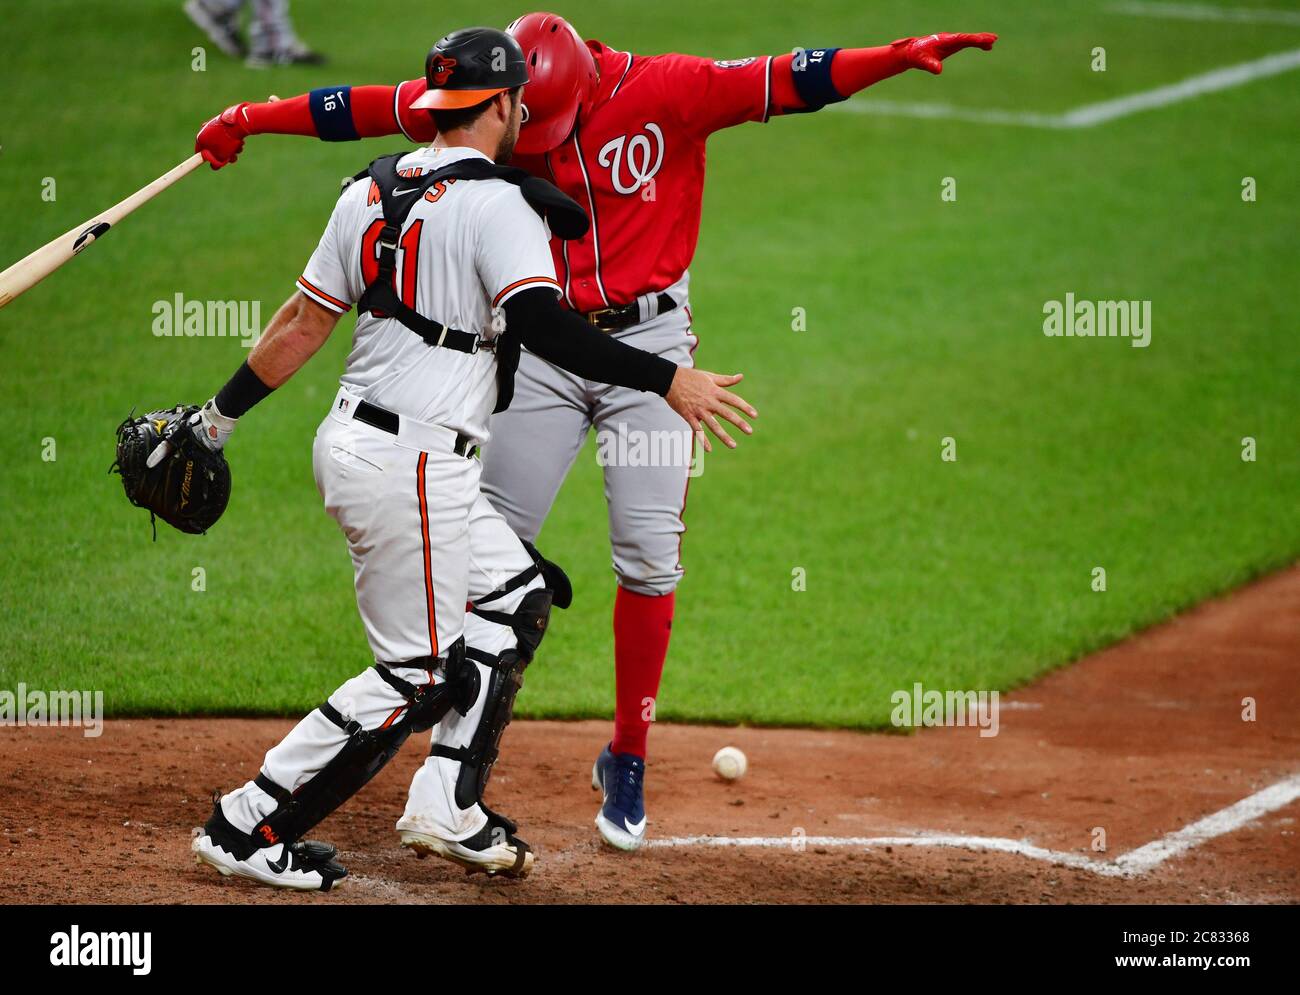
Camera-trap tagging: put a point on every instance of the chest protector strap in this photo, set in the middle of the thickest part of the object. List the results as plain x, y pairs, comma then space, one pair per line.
398, 195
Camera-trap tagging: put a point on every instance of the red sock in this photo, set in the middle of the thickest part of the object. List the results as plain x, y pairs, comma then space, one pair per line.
642, 625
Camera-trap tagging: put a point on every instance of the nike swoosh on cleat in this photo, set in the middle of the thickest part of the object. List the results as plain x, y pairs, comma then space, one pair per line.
635, 828
284, 861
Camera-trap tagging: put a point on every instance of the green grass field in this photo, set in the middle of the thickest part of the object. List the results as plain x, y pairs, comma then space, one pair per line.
924, 321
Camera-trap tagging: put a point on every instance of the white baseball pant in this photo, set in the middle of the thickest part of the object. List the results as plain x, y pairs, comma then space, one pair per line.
535, 441
424, 541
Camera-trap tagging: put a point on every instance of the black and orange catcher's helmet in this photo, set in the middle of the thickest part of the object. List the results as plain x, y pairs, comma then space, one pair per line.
469, 66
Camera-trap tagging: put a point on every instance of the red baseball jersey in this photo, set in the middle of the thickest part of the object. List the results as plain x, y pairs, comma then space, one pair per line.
635, 162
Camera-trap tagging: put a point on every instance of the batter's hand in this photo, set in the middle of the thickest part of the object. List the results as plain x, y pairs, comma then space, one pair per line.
929, 52
222, 139
702, 397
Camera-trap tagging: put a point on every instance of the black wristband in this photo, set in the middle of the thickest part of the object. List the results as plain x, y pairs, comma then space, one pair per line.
241, 392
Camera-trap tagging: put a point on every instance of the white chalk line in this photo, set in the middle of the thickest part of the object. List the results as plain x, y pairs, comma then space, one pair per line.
1132, 864
1215, 80
1091, 115
1209, 12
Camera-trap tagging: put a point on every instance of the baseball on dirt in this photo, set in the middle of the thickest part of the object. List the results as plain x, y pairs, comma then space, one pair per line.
729, 763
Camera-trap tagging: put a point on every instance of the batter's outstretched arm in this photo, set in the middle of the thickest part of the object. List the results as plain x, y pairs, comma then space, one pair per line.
707, 95
330, 113
563, 338
799, 83
805, 80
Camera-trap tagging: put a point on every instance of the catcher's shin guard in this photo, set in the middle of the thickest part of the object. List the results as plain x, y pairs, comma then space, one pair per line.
367, 750
528, 622
477, 759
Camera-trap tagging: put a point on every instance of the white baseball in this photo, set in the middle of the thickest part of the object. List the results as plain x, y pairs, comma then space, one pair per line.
729, 763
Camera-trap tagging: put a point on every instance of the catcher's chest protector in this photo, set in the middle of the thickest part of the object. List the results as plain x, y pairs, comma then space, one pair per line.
399, 194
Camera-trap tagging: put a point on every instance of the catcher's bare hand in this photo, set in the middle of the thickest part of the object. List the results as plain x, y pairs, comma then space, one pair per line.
702, 398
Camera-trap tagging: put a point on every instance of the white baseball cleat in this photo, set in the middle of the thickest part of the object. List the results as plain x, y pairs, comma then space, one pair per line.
302, 866
279, 866
494, 849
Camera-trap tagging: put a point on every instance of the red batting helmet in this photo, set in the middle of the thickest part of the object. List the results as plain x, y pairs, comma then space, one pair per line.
562, 77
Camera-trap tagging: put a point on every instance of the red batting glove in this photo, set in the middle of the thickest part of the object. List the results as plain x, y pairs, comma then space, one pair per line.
929, 52
222, 139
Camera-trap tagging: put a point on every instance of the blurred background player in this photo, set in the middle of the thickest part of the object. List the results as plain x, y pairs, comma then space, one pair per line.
271, 38
624, 135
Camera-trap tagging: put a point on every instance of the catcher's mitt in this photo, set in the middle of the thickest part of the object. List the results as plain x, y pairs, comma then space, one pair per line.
189, 487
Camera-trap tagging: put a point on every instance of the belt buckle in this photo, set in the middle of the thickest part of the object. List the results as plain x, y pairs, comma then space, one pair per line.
596, 318
463, 448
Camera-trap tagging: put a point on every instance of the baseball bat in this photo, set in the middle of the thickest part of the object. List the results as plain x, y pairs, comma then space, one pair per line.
32, 269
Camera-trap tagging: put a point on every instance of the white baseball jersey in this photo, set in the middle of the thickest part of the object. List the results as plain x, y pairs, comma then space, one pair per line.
466, 248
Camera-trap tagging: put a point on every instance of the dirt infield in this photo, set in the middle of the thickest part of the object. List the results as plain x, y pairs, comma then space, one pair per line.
1145, 741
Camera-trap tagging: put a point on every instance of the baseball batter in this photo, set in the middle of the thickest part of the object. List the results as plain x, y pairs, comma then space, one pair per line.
625, 136
433, 247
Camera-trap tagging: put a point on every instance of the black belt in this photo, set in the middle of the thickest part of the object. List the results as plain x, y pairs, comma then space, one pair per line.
614, 319
388, 421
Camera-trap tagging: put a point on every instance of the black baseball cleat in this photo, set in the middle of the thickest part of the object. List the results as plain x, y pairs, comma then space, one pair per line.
222, 29
306, 865
494, 849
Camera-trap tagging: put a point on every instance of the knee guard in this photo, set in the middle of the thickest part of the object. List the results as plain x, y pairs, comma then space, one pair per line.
554, 579
530, 619
367, 751
552, 576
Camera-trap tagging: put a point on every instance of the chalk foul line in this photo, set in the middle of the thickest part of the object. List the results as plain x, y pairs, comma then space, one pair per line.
1091, 115
1132, 864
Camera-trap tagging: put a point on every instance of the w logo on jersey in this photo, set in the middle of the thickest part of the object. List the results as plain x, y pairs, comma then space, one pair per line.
638, 166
